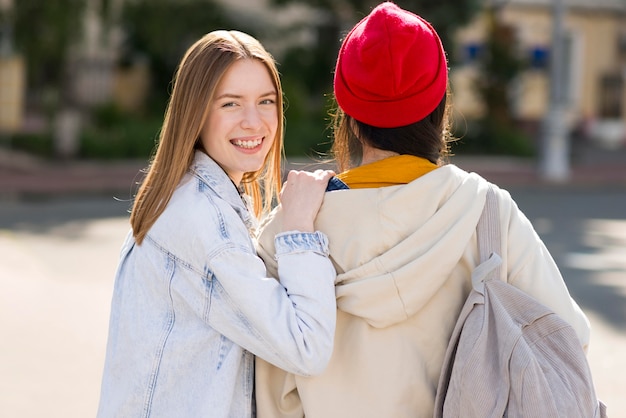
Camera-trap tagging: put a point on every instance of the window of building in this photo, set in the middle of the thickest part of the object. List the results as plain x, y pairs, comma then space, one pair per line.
611, 92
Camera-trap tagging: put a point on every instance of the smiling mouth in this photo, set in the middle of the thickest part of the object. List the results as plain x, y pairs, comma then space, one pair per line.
247, 143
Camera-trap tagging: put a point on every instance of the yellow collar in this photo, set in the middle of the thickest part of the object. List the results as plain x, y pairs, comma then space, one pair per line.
399, 169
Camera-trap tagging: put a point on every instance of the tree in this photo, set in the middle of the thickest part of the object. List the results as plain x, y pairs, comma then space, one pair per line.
44, 32
499, 67
161, 31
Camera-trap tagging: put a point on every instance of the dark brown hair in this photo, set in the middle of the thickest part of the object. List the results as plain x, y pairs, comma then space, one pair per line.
428, 138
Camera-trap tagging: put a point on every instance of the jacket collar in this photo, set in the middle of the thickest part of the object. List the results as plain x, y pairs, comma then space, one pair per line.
207, 170
214, 177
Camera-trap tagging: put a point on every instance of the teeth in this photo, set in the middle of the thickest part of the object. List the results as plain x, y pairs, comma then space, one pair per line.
247, 144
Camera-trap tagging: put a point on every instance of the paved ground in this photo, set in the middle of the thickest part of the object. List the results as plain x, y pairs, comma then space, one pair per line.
61, 225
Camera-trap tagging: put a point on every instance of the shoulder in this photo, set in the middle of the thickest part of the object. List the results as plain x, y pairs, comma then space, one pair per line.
198, 221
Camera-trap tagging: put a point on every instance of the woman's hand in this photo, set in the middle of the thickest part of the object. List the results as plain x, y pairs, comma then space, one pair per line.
301, 198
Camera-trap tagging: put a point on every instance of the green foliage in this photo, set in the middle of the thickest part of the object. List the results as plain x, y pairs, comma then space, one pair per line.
40, 144
43, 32
307, 133
445, 15
162, 30
488, 136
500, 66
307, 81
496, 132
108, 134
113, 134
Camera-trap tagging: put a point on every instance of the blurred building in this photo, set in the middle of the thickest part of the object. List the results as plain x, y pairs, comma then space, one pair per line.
594, 72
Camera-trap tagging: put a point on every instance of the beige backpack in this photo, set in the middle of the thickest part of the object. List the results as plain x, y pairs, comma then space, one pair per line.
509, 355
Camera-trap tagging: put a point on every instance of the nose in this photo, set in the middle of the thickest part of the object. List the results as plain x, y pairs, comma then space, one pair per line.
251, 118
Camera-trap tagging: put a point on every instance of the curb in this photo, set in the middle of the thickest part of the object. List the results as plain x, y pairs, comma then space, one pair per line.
25, 176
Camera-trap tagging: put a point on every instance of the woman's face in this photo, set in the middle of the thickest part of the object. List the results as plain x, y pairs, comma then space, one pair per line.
243, 119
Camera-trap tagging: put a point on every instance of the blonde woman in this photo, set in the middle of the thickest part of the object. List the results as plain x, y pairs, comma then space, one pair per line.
192, 304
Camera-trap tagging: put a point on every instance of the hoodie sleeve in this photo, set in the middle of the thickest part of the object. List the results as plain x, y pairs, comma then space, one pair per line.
531, 268
276, 392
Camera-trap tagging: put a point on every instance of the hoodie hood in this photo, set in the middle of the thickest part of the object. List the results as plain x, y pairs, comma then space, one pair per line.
395, 247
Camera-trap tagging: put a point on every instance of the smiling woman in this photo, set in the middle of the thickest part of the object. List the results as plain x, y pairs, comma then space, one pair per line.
243, 119
192, 302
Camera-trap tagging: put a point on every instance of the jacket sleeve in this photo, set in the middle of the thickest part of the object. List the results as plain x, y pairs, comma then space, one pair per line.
290, 323
531, 268
221, 278
276, 391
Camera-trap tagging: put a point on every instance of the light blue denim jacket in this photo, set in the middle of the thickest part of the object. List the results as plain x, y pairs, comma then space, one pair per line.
193, 304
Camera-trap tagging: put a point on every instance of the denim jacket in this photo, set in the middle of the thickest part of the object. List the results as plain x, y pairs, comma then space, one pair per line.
193, 304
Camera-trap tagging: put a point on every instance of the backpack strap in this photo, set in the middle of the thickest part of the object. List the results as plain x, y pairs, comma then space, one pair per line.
488, 236
488, 231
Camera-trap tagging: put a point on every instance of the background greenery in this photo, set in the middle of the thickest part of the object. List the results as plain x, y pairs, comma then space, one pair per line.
44, 32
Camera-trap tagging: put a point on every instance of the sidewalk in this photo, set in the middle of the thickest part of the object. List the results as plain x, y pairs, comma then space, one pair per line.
58, 274
23, 175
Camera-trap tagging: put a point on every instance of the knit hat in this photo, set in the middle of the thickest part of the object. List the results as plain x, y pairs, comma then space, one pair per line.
391, 70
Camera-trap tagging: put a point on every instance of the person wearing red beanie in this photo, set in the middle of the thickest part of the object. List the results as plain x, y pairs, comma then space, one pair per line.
391, 70
402, 233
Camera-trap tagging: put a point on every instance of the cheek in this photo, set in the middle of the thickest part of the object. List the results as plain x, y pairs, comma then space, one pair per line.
205, 136
212, 128
274, 130
272, 121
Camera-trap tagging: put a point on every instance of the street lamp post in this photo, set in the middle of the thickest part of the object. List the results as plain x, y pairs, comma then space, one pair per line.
554, 165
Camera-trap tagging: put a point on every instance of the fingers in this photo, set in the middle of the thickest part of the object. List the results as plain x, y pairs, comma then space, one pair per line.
317, 175
323, 174
302, 196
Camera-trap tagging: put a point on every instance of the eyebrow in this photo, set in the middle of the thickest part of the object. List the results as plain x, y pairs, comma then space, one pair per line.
238, 96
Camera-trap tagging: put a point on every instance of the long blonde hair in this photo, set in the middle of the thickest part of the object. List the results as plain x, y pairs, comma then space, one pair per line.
194, 84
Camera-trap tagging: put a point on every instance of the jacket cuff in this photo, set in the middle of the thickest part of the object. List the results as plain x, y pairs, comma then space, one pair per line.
290, 242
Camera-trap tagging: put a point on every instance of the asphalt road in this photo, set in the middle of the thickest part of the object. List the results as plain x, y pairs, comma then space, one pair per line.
58, 257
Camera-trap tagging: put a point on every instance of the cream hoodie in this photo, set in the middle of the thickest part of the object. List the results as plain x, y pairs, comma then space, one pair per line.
403, 255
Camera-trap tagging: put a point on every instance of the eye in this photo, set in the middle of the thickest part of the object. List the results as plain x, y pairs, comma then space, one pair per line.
228, 104
268, 101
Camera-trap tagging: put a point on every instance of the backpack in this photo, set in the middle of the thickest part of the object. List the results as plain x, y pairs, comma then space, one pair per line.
509, 355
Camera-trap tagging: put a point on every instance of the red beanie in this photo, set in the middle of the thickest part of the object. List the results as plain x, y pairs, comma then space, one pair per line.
391, 70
